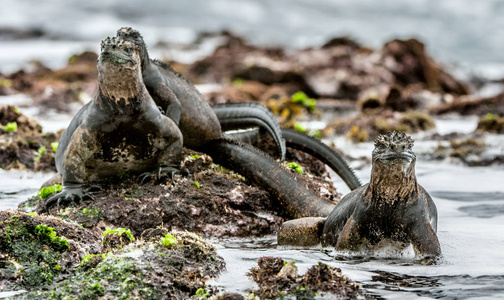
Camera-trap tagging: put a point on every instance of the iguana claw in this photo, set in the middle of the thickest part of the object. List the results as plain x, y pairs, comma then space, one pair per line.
170, 171
70, 194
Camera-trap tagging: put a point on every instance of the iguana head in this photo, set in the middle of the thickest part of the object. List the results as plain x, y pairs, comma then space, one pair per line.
394, 146
393, 170
119, 52
119, 69
132, 35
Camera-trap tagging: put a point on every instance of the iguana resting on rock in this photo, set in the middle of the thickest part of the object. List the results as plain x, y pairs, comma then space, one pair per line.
199, 124
201, 131
392, 210
120, 130
138, 138
255, 114
183, 103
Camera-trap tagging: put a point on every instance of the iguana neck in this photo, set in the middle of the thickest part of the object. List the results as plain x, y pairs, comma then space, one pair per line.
390, 182
144, 56
120, 88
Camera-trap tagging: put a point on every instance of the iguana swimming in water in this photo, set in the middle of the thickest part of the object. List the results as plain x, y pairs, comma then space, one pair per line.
199, 124
120, 130
391, 210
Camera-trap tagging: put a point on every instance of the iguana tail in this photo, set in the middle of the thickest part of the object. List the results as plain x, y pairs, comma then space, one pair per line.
303, 142
234, 116
263, 170
300, 141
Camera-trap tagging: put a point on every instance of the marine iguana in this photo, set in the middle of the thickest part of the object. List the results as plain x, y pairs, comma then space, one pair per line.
391, 210
182, 102
178, 97
256, 113
120, 130
202, 132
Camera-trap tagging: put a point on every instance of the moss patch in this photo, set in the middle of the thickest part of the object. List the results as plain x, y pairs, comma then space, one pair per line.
47, 191
116, 238
143, 270
38, 249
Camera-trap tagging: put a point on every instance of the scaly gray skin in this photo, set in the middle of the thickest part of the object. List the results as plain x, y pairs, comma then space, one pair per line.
181, 101
392, 210
120, 130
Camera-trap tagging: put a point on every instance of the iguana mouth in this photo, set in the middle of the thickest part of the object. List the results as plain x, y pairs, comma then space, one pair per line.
399, 155
116, 58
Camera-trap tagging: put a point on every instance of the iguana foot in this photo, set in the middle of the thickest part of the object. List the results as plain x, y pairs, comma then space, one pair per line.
71, 194
430, 260
170, 171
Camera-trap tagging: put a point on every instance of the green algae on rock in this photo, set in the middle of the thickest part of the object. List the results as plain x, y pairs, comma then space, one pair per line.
491, 123
116, 238
143, 270
55, 259
37, 249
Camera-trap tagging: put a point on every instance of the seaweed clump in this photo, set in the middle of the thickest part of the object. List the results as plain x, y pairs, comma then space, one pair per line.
277, 278
491, 123
22, 144
371, 123
116, 238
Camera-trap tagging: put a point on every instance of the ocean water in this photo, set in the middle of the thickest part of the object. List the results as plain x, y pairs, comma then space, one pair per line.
462, 32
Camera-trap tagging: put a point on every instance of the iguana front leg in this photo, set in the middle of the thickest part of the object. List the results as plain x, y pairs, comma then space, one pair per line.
174, 108
170, 155
425, 242
76, 154
163, 95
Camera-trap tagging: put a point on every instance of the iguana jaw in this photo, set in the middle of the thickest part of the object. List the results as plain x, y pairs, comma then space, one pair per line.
116, 57
405, 156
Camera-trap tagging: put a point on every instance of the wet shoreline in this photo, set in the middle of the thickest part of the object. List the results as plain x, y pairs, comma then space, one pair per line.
470, 233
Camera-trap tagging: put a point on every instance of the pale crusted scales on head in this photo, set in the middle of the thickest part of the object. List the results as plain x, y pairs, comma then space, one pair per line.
125, 29
114, 41
394, 138
128, 31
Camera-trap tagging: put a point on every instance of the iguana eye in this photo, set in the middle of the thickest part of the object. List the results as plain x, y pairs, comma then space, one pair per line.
128, 50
